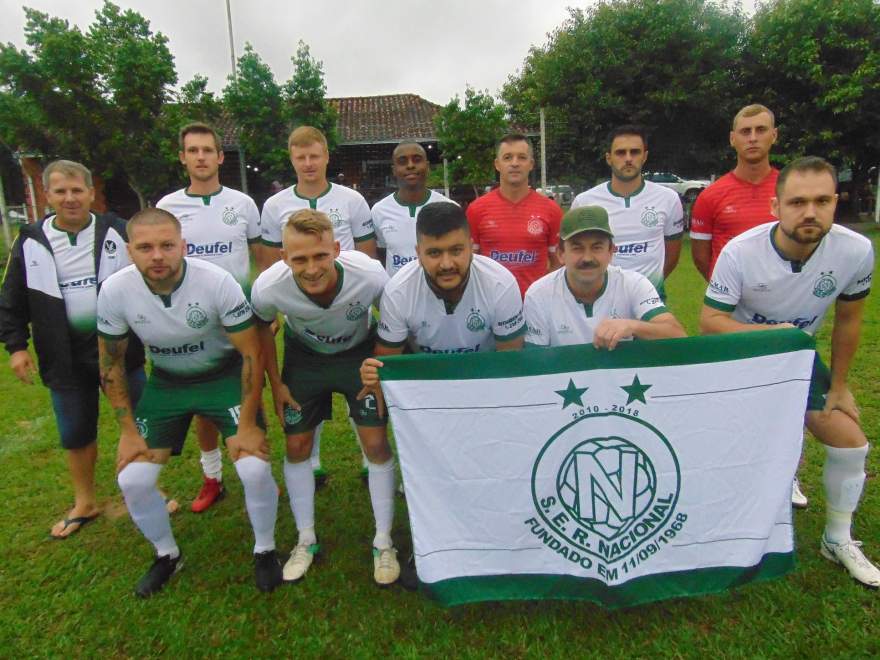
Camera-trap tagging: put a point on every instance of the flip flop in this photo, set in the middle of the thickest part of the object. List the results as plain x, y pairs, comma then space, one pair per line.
81, 521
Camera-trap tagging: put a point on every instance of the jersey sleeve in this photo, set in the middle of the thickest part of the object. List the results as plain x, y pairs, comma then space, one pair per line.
111, 320
381, 279
555, 219
263, 308
362, 228
537, 326
725, 285
703, 216
509, 322
578, 201
233, 307
377, 228
270, 226
254, 230
674, 227
860, 284
644, 299
473, 217
393, 328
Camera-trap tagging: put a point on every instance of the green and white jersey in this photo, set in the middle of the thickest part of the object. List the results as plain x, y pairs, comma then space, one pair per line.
490, 309
641, 223
395, 224
184, 333
758, 285
218, 228
554, 317
347, 209
74, 255
342, 325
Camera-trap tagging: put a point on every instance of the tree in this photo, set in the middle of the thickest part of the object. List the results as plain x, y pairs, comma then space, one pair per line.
818, 62
468, 136
667, 64
306, 91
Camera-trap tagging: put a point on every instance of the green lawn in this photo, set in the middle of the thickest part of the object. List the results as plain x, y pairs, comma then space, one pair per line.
75, 597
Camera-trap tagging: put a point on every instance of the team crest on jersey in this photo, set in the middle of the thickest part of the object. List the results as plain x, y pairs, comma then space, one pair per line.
475, 321
335, 217
141, 425
650, 217
230, 217
195, 316
110, 246
825, 285
355, 311
535, 226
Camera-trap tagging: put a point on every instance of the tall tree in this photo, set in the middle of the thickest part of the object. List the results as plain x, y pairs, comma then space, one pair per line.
668, 64
306, 92
468, 135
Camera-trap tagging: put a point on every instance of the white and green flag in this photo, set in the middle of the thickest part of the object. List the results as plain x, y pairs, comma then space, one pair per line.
658, 470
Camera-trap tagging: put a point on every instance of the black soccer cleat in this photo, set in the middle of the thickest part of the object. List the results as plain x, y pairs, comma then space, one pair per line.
159, 573
267, 571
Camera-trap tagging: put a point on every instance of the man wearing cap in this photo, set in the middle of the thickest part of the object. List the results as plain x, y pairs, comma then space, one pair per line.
590, 301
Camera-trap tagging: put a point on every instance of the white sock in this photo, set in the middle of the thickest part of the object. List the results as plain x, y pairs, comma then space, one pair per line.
300, 481
212, 464
260, 498
315, 457
380, 479
147, 507
843, 477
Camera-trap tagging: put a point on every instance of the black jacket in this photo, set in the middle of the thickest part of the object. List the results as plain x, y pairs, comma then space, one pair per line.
31, 302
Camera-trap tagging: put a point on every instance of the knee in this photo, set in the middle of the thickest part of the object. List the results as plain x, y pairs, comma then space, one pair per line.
253, 471
138, 478
299, 447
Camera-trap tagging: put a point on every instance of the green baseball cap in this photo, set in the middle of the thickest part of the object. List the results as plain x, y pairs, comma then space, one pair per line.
585, 218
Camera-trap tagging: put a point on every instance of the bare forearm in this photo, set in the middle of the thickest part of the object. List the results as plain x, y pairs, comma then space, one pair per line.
270, 354
251, 386
670, 260
701, 253
658, 329
111, 364
844, 344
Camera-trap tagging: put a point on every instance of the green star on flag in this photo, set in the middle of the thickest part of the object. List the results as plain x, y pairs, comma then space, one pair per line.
571, 395
636, 391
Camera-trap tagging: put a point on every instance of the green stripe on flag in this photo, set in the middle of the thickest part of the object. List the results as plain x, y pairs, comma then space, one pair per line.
565, 359
638, 591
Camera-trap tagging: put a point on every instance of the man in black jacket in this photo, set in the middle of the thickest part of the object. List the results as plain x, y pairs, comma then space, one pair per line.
50, 291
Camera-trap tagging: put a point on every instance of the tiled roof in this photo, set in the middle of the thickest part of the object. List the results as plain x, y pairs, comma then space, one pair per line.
228, 130
390, 118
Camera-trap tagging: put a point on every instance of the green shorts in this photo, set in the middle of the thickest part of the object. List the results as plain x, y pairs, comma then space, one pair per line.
820, 383
166, 408
312, 378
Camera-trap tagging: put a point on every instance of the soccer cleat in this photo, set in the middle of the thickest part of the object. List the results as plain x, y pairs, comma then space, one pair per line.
798, 499
409, 579
386, 568
267, 570
853, 560
159, 573
300, 560
212, 491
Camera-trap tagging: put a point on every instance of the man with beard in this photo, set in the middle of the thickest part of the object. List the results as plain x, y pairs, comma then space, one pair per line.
646, 218
787, 274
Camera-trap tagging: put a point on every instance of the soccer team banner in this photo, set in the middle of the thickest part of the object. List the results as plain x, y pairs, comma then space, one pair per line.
657, 470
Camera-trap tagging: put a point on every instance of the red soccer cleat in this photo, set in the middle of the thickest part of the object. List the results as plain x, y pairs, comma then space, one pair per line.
212, 491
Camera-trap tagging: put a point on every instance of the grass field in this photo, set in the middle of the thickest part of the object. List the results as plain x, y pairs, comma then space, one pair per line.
74, 598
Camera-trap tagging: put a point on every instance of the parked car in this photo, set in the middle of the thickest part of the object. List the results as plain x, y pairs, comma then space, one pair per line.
563, 194
688, 189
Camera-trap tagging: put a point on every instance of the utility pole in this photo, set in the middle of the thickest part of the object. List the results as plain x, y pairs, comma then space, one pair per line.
4, 216
543, 153
242, 172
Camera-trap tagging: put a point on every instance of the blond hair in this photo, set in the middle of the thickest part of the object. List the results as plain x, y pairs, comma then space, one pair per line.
751, 111
308, 221
305, 136
68, 168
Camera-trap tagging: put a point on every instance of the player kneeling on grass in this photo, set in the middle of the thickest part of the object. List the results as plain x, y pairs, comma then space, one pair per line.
325, 297
786, 274
589, 301
196, 325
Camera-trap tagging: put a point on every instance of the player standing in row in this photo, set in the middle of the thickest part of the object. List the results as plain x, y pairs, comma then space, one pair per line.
220, 225
589, 301
740, 199
513, 224
50, 291
394, 216
346, 208
646, 218
197, 324
787, 274
325, 298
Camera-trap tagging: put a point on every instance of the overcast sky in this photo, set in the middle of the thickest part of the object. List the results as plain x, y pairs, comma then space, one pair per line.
368, 47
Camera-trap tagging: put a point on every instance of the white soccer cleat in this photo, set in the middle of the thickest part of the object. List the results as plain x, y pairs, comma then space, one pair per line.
853, 560
300, 560
798, 499
386, 568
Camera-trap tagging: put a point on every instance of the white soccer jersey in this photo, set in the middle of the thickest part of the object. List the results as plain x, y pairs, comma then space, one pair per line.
184, 333
74, 255
346, 323
755, 282
554, 317
395, 224
217, 228
641, 223
490, 309
347, 209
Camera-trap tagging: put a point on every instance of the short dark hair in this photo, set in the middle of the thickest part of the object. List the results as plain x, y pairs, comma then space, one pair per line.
151, 216
440, 218
628, 129
510, 138
200, 128
805, 164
